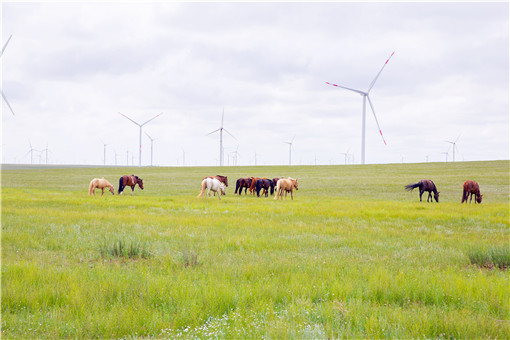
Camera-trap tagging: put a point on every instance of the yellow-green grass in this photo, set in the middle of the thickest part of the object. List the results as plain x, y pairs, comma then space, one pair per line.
354, 255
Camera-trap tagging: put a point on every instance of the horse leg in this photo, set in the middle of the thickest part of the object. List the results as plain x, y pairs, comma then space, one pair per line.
421, 194
291, 196
102, 192
471, 198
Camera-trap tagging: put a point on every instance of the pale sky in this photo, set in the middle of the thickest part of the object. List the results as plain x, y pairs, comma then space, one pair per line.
70, 68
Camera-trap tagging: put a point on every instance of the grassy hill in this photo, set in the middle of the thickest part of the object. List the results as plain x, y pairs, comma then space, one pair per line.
354, 255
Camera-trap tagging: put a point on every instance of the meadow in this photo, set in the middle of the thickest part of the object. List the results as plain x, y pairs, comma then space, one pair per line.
352, 256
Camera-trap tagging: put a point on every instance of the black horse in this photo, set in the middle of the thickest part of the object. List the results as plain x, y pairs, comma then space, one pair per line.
425, 185
265, 184
242, 183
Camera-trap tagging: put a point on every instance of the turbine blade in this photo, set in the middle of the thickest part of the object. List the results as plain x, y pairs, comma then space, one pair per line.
7, 102
129, 118
377, 122
229, 133
210, 133
3, 48
347, 88
458, 137
152, 119
377, 76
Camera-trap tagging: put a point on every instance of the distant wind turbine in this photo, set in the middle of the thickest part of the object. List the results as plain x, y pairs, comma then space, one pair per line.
445, 153
346, 154
152, 142
3, 95
31, 152
290, 149
220, 129
454, 144
104, 152
140, 125
365, 95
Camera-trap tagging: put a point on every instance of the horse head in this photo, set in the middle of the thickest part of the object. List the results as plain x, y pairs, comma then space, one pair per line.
479, 198
294, 183
222, 189
436, 196
139, 181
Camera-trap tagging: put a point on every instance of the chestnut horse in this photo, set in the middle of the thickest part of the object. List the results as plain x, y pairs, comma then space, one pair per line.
471, 188
100, 183
285, 184
129, 181
425, 185
242, 183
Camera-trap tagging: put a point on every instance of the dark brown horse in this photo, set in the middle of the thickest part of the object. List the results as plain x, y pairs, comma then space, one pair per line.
471, 188
264, 184
242, 183
129, 181
425, 185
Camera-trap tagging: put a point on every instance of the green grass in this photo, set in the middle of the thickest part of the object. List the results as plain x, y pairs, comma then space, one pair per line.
353, 256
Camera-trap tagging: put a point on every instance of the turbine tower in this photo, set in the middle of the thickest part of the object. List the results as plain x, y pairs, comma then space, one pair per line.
454, 144
104, 152
3, 95
220, 129
365, 95
152, 142
290, 149
140, 125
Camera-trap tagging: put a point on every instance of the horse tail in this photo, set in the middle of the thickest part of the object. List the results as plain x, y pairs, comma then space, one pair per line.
237, 187
121, 185
204, 183
272, 187
411, 186
91, 187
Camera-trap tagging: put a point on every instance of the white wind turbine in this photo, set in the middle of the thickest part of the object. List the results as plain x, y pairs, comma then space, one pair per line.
3, 95
152, 142
290, 149
220, 129
346, 154
104, 152
365, 95
454, 144
31, 152
141, 125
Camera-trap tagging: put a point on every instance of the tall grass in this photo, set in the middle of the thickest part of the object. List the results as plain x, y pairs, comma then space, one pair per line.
353, 255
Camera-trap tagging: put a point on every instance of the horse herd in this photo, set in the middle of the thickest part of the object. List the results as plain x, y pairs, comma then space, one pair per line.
254, 185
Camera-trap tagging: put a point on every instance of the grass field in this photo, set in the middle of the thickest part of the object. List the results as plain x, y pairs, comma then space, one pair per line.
353, 256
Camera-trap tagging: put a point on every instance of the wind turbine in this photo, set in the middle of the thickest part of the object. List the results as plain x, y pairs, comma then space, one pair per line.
290, 149
445, 153
3, 95
220, 129
365, 95
31, 152
152, 142
454, 144
346, 154
140, 125
104, 152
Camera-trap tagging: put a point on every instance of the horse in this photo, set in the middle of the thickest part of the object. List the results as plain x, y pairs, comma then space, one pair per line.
265, 184
222, 179
212, 184
253, 184
425, 185
242, 183
471, 188
129, 181
285, 184
100, 183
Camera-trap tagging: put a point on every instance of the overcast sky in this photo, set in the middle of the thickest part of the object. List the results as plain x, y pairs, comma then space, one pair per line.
70, 68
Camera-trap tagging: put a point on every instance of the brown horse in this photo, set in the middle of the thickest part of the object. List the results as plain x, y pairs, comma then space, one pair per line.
253, 184
100, 183
242, 183
471, 188
129, 181
285, 184
425, 185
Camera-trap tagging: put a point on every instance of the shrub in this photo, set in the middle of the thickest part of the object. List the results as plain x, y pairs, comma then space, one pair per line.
490, 257
120, 248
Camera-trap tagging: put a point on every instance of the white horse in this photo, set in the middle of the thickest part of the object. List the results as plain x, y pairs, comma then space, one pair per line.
100, 183
212, 184
286, 185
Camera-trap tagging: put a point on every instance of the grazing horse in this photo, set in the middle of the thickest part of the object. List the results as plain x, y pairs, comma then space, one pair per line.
222, 179
242, 183
129, 181
285, 184
471, 188
212, 184
253, 184
100, 183
425, 185
265, 184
